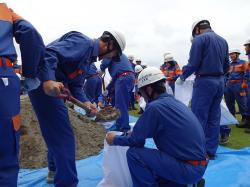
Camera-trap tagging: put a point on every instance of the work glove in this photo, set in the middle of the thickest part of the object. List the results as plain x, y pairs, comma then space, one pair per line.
29, 84
179, 81
105, 93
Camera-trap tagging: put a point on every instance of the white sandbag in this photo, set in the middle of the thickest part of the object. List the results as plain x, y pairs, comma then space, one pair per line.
184, 92
115, 168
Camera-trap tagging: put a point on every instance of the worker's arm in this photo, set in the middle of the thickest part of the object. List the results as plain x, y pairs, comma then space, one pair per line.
76, 89
144, 128
226, 65
105, 64
195, 58
31, 45
69, 48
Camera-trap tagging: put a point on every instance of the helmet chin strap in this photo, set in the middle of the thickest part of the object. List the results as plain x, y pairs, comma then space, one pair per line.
150, 97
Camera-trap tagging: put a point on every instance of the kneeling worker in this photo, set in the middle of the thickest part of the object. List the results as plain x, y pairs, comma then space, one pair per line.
180, 157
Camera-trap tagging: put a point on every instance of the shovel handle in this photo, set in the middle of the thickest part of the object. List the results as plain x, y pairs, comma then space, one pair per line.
66, 95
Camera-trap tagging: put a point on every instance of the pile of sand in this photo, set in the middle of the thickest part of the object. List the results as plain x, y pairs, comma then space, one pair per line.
33, 152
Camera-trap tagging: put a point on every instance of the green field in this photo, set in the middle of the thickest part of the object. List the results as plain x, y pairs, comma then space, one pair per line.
238, 139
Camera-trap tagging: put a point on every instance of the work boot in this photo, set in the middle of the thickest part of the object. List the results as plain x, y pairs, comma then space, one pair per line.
224, 138
200, 183
245, 122
211, 156
141, 111
247, 130
133, 107
50, 177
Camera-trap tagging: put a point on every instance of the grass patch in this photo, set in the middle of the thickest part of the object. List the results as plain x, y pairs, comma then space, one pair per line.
238, 138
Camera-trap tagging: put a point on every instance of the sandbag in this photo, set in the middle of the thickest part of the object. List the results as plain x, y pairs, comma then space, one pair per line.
115, 168
184, 94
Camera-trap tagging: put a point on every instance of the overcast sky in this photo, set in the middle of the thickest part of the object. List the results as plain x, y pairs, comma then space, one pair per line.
151, 27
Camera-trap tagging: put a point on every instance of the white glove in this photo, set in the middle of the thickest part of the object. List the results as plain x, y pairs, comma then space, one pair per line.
31, 84
179, 81
105, 93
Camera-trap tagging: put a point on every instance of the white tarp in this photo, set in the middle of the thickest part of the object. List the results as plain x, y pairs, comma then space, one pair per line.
184, 94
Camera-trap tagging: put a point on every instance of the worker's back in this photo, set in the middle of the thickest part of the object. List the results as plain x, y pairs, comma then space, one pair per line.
209, 53
178, 132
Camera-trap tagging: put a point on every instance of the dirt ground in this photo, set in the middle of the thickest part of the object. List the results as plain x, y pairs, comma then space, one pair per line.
33, 152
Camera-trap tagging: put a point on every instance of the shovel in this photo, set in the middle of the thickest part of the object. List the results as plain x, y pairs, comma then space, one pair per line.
104, 115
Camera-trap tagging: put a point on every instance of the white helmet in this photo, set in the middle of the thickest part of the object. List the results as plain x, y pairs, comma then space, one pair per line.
201, 22
138, 68
234, 51
138, 60
247, 42
149, 75
131, 57
119, 38
191, 39
168, 57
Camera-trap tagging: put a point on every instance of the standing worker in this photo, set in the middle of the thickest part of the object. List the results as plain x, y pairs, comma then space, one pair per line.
209, 61
247, 121
236, 85
132, 93
178, 160
93, 84
66, 61
123, 80
171, 70
32, 50
235, 90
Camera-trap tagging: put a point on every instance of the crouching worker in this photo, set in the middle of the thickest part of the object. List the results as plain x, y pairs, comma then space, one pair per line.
180, 157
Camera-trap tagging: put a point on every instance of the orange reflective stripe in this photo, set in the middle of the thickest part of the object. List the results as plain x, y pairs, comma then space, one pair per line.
75, 73
178, 72
170, 79
235, 81
198, 162
5, 13
7, 62
247, 66
237, 68
171, 73
16, 120
15, 16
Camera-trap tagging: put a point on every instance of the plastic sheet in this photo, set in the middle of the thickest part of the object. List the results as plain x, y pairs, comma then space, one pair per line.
230, 169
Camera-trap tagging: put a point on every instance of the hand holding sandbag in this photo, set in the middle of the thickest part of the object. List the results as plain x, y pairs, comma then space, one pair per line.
179, 81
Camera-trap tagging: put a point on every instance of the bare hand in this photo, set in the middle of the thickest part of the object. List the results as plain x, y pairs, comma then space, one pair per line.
110, 137
100, 104
91, 107
52, 88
